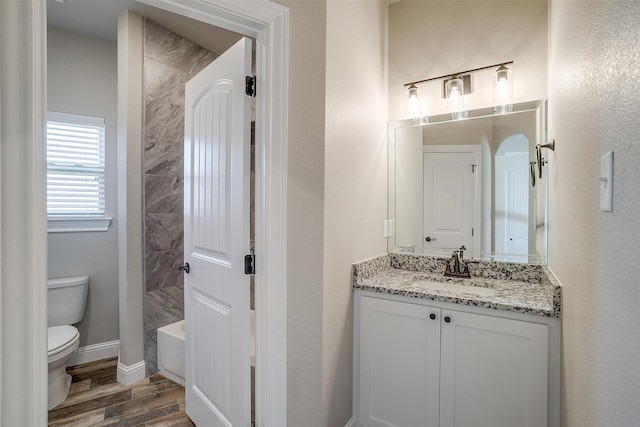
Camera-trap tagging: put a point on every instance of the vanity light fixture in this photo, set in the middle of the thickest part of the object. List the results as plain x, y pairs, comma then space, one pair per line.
416, 105
457, 85
454, 92
412, 102
503, 90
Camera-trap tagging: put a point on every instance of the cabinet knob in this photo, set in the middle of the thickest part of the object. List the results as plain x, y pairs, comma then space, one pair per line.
447, 319
432, 316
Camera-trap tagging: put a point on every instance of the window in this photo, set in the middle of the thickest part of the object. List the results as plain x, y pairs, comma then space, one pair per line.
75, 166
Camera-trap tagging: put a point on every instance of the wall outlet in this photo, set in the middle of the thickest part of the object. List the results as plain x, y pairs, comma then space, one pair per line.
387, 228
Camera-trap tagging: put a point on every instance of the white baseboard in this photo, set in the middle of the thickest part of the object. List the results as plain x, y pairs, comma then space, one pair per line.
128, 375
93, 352
351, 423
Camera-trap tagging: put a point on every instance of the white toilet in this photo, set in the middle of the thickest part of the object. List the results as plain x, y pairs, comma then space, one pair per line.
66, 301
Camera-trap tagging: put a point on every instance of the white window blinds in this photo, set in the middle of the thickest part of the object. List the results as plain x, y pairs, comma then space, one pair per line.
75, 165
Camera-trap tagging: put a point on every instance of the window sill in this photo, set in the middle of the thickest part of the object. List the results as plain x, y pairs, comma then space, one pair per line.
76, 225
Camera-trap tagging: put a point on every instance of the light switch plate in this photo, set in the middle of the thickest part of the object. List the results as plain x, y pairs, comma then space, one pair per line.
606, 182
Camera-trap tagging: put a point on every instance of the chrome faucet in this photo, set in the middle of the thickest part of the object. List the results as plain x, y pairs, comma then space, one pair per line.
453, 267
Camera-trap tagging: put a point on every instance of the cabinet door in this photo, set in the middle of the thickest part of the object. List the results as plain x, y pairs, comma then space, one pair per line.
399, 364
493, 373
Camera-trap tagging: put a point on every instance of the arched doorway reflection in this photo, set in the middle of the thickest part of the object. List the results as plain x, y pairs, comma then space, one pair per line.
512, 195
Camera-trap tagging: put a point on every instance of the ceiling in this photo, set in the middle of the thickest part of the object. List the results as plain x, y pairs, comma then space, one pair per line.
98, 19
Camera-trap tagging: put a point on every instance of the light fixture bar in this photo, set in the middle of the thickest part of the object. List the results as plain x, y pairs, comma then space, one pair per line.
457, 74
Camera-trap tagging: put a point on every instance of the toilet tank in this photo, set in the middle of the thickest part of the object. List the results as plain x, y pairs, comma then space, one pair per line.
66, 300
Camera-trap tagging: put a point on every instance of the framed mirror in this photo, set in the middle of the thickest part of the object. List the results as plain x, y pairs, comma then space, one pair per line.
468, 185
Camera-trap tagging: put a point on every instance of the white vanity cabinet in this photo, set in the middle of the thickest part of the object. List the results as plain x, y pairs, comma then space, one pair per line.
422, 364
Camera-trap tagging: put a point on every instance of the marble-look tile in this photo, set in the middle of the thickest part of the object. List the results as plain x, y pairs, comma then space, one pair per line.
174, 50
163, 156
163, 194
151, 345
200, 60
177, 235
157, 232
162, 269
163, 81
163, 231
162, 307
163, 119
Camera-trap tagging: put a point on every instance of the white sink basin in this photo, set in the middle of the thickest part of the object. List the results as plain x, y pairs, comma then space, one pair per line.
454, 287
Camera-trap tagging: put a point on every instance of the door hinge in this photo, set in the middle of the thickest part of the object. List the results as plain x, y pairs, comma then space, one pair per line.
250, 263
473, 168
472, 232
250, 88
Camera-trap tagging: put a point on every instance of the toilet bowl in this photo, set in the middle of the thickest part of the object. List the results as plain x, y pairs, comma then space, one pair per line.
66, 301
62, 343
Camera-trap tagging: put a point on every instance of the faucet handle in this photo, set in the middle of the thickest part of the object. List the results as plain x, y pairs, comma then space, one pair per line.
462, 249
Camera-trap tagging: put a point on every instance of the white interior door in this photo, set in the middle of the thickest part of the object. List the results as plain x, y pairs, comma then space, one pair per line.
216, 227
451, 197
512, 203
517, 203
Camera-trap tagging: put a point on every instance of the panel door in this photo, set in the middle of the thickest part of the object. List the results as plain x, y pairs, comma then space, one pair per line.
451, 198
494, 372
399, 364
517, 203
217, 156
512, 208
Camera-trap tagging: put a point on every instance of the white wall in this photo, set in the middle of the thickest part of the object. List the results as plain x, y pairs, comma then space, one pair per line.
355, 178
336, 193
431, 38
593, 90
305, 210
82, 80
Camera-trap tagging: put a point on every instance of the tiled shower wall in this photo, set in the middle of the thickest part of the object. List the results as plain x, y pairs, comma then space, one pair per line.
169, 62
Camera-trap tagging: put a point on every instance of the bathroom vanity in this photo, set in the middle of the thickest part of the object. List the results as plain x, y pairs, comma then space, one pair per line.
431, 350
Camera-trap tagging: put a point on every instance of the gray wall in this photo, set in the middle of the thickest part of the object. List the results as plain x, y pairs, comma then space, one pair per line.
593, 101
169, 62
82, 80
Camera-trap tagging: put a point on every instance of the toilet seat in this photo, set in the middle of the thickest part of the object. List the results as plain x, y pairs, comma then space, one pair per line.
60, 338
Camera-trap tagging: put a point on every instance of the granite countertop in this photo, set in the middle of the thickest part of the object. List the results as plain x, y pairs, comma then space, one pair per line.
522, 288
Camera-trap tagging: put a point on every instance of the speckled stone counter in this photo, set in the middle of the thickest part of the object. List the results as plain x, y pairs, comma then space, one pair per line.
522, 288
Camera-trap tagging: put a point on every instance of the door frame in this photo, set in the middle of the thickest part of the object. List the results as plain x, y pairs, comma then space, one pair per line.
268, 23
23, 206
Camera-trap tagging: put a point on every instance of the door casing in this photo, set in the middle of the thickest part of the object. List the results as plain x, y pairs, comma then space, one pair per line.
268, 24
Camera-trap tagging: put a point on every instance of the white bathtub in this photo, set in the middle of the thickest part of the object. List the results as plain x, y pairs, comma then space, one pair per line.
171, 349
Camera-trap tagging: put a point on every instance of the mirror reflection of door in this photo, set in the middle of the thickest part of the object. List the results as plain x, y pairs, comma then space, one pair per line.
512, 196
509, 138
451, 197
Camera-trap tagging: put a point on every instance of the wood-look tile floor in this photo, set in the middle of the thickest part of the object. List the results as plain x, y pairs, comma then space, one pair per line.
96, 399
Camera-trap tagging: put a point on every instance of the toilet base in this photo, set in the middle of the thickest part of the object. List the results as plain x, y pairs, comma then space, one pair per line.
59, 384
